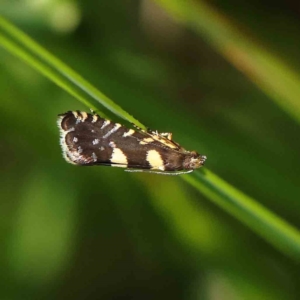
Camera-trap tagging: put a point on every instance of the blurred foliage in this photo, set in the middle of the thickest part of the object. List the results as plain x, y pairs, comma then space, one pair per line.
100, 233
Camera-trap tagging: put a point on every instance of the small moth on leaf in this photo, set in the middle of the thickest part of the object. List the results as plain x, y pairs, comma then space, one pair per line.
88, 140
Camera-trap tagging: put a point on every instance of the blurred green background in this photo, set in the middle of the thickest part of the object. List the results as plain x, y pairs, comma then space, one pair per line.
100, 233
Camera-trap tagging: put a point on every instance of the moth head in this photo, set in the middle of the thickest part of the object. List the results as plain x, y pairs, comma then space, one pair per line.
194, 161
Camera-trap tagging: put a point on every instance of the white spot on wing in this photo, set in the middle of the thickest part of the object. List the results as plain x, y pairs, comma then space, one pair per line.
118, 157
105, 123
94, 156
77, 116
155, 160
112, 144
114, 129
95, 141
75, 139
128, 133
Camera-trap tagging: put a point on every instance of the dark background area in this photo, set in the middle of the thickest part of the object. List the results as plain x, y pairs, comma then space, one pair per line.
100, 233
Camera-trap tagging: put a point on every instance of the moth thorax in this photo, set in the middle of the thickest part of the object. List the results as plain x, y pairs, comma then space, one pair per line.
193, 160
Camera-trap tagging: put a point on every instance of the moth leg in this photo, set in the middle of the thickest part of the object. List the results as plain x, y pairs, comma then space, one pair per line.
158, 172
95, 112
117, 165
167, 135
151, 131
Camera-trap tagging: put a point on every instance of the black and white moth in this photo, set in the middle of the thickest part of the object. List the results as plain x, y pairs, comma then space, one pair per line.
88, 140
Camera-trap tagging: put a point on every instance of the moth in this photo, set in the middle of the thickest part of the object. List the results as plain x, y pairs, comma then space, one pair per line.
88, 140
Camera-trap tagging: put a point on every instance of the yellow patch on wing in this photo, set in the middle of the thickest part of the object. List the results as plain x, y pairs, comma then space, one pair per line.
118, 157
155, 160
146, 141
84, 116
164, 141
95, 119
75, 113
